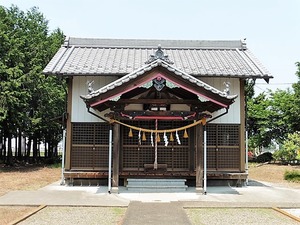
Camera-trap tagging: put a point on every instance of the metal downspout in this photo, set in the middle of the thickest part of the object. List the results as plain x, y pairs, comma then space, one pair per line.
224, 113
246, 164
204, 162
94, 114
109, 158
62, 182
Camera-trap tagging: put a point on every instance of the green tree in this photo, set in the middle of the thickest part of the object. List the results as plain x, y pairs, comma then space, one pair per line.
27, 97
290, 150
270, 117
296, 87
273, 115
257, 120
282, 114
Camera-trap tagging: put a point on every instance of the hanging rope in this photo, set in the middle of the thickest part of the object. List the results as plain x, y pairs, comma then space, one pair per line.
157, 132
203, 121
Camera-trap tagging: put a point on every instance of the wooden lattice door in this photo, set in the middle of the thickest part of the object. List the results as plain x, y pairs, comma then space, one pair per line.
223, 147
135, 153
89, 146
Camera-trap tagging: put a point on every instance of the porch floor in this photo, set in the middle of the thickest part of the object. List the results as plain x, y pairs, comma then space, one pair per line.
166, 174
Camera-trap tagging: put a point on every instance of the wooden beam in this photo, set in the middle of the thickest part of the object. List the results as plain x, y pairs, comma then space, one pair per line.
199, 157
182, 93
168, 115
242, 127
134, 93
158, 101
116, 157
69, 125
192, 148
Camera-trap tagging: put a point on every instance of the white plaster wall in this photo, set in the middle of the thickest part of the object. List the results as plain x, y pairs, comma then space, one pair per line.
234, 112
79, 110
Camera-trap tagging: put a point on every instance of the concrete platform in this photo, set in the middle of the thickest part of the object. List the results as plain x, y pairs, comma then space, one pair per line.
257, 194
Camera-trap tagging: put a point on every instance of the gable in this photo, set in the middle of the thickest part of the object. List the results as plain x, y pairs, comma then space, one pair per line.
177, 88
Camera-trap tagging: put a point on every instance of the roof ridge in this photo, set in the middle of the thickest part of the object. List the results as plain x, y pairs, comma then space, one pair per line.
153, 43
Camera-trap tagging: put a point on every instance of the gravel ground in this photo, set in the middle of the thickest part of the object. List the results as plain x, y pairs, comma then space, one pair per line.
76, 215
239, 216
115, 216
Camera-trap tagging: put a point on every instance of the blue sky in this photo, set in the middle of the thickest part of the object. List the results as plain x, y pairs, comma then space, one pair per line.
272, 27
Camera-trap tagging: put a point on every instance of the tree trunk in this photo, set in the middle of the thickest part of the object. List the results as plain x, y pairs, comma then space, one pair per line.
4, 147
28, 150
55, 153
1, 145
9, 150
49, 149
16, 147
20, 144
38, 149
34, 148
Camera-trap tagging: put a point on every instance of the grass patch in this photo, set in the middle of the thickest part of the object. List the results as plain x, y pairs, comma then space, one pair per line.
292, 175
55, 165
119, 211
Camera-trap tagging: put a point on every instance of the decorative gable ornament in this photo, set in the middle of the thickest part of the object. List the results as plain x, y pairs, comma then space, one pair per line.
227, 87
159, 54
90, 87
159, 83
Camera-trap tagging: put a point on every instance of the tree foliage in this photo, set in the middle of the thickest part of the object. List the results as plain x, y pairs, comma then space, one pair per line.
273, 115
290, 150
296, 88
28, 99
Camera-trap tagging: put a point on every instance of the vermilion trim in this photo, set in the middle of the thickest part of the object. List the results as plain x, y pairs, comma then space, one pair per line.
158, 118
194, 92
122, 92
153, 77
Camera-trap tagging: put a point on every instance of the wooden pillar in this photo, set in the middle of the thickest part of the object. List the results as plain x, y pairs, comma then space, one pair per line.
192, 143
116, 158
69, 126
242, 128
199, 157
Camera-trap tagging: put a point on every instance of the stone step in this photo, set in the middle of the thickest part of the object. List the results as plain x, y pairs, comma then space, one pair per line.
156, 190
156, 184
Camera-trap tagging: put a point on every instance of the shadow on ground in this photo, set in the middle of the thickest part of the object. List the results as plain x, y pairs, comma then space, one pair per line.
257, 184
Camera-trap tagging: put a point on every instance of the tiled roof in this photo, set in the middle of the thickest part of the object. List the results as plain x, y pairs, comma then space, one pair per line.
150, 66
81, 56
